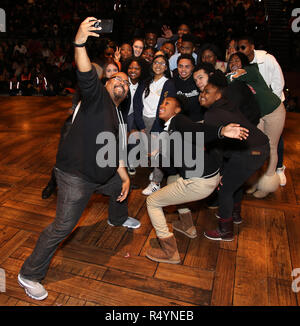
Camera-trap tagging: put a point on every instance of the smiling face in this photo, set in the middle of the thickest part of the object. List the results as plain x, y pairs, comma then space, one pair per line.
185, 68
201, 79
151, 39
110, 70
209, 95
117, 87
234, 63
159, 66
168, 49
138, 47
168, 108
148, 55
134, 72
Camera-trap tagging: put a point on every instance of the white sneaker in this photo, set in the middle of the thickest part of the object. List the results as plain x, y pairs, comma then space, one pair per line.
130, 223
34, 290
152, 187
282, 177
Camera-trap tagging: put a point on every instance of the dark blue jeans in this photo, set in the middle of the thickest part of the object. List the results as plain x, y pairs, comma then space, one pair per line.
72, 197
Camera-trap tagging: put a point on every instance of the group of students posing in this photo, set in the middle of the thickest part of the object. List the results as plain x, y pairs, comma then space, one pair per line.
239, 115
203, 90
174, 100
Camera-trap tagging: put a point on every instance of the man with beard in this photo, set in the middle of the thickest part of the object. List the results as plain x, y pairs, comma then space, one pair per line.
78, 171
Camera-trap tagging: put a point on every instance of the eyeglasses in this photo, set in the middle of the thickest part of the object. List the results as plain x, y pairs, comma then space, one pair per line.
182, 48
242, 47
121, 80
159, 63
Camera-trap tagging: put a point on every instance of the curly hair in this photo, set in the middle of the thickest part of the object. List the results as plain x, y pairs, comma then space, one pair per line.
244, 60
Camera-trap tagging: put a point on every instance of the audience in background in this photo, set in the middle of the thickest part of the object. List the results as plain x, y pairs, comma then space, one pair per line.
41, 33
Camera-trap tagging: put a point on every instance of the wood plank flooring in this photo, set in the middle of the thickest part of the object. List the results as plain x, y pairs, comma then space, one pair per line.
101, 265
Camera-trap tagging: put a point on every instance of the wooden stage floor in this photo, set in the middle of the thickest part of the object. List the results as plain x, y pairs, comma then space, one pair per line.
99, 265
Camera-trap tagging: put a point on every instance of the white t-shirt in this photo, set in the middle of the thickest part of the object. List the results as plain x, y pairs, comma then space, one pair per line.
151, 101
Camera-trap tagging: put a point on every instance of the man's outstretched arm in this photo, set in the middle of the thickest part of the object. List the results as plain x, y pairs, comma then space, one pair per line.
85, 30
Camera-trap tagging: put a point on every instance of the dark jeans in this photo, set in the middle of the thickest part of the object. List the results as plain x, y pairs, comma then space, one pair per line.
239, 167
72, 197
280, 151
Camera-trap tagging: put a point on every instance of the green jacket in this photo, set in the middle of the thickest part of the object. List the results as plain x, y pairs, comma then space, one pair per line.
266, 99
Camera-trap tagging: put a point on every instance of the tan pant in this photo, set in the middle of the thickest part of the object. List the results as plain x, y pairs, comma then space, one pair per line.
178, 191
272, 125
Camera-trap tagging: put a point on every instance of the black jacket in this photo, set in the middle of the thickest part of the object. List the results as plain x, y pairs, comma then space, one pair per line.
189, 91
223, 112
77, 153
242, 99
206, 164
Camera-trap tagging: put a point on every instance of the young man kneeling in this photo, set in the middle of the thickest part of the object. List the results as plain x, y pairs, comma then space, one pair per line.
184, 184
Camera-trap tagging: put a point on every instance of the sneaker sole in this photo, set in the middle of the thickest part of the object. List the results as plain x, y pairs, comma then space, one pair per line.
163, 260
237, 222
185, 233
218, 239
131, 227
29, 294
125, 226
148, 194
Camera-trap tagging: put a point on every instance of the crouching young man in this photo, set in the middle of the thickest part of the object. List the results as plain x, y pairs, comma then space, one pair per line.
184, 184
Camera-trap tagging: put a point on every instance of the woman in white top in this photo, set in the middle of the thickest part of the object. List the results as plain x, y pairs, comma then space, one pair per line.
146, 107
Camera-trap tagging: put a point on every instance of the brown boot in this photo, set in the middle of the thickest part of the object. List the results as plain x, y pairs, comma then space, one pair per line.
185, 225
167, 253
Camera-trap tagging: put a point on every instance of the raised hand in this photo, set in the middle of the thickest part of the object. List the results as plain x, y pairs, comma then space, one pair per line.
117, 55
86, 29
166, 32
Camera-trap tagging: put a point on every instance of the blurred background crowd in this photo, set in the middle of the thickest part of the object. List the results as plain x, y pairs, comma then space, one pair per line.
37, 55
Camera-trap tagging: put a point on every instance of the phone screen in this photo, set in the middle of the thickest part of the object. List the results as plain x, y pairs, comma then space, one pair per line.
107, 26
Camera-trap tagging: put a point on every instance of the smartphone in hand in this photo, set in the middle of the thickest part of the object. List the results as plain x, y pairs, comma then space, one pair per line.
106, 26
